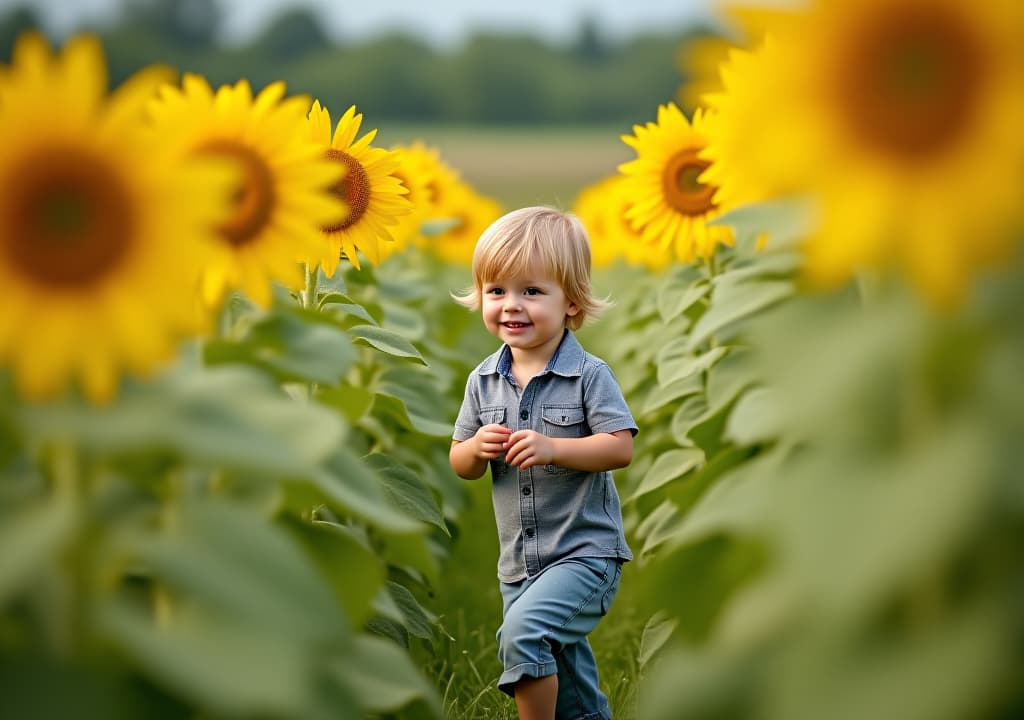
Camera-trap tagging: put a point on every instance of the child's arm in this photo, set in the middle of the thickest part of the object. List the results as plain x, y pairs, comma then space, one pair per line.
469, 458
594, 453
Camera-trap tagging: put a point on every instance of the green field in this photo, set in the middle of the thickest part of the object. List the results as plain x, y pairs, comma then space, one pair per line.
523, 166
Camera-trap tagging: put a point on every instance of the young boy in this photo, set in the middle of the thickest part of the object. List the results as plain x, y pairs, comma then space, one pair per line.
550, 420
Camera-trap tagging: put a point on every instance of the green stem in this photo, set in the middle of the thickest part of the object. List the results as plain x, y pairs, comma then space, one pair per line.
68, 598
309, 293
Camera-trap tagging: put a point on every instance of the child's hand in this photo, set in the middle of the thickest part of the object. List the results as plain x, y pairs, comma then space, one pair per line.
527, 448
491, 441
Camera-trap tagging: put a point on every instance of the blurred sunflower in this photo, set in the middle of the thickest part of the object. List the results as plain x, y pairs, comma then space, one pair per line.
471, 212
902, 116
284, 194
667, 201
417, 167
698, 61
100, 252
602, 209
591, 207
369, 187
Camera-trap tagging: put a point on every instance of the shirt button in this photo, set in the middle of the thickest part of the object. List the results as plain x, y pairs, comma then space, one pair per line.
524, 414
526, 491
529, 532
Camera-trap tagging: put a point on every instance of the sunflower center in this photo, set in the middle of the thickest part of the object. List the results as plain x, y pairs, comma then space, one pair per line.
68, 220
253, 198
353, 188
910, 80
683, 191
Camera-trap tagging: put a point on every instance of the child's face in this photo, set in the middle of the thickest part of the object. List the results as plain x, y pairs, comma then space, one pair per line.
527, 312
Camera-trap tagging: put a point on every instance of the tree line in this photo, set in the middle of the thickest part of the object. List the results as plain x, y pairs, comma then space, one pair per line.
491, 79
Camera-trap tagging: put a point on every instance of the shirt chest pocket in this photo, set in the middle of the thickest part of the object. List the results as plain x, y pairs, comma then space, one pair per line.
492, 414
564, 421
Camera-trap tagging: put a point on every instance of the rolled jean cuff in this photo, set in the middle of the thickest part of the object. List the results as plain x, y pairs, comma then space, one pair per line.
510, 677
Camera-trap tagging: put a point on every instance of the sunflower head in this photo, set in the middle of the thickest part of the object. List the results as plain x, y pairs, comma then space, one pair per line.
670, 202
370, 186
283, 193
100, 253
471, 214
419, 169
882, 109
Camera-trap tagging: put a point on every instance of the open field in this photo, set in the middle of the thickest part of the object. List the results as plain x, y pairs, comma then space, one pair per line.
523, 166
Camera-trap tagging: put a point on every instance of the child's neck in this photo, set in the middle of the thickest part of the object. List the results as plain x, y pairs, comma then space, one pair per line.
528, 363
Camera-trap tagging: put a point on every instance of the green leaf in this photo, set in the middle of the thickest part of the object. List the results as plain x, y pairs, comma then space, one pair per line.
230, 416
353, 402
31, 540
291, 346
348, 305
409, 494
411, 550
227, 666
707, 432
657, 631
347, 485
735, 303
354, 572
409, 323
686, 494
386, 341
757, 417
657, 527
420, 402
414, 617
668, 467
689, 412
659, 396
230, 560
384, 679
681, 290
677, 362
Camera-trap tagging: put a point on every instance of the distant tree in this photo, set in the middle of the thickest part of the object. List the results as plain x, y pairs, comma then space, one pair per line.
590, 45
14, 22
186, 24
293, 33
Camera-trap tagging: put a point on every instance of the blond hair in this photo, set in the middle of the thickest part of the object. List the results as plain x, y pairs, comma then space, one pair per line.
536, 236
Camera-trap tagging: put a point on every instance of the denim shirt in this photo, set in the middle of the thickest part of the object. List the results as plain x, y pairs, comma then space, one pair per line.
547, 512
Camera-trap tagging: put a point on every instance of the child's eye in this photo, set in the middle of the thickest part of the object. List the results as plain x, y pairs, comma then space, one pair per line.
495, 291
533, 291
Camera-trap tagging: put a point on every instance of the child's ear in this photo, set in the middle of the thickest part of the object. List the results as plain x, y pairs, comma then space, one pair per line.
573, 309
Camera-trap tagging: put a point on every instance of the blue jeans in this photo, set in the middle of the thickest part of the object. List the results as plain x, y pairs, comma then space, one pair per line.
545, 622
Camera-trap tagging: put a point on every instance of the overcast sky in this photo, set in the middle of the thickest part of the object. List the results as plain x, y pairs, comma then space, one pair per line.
444, 22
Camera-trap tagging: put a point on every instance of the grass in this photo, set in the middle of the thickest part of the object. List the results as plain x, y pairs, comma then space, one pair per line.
464, 665
523, 166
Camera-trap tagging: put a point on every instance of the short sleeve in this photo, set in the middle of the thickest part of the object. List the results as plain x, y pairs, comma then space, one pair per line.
468, 421
607, 411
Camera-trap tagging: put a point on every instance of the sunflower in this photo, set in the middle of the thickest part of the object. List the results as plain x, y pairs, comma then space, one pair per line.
102, 234
591, 207
667, 201
417, 167
284, 194
903, 117
602, 209
472, 214
369, 186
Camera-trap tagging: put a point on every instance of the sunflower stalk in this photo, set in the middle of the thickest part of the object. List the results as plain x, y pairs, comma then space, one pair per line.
67, 606
309, 301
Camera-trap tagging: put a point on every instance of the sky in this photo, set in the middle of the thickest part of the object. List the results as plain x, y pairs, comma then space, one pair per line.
443, 22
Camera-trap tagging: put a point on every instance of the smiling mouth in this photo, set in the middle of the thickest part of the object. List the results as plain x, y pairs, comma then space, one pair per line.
515, 325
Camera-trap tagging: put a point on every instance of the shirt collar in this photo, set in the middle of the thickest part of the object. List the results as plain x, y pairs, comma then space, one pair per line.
567, 360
